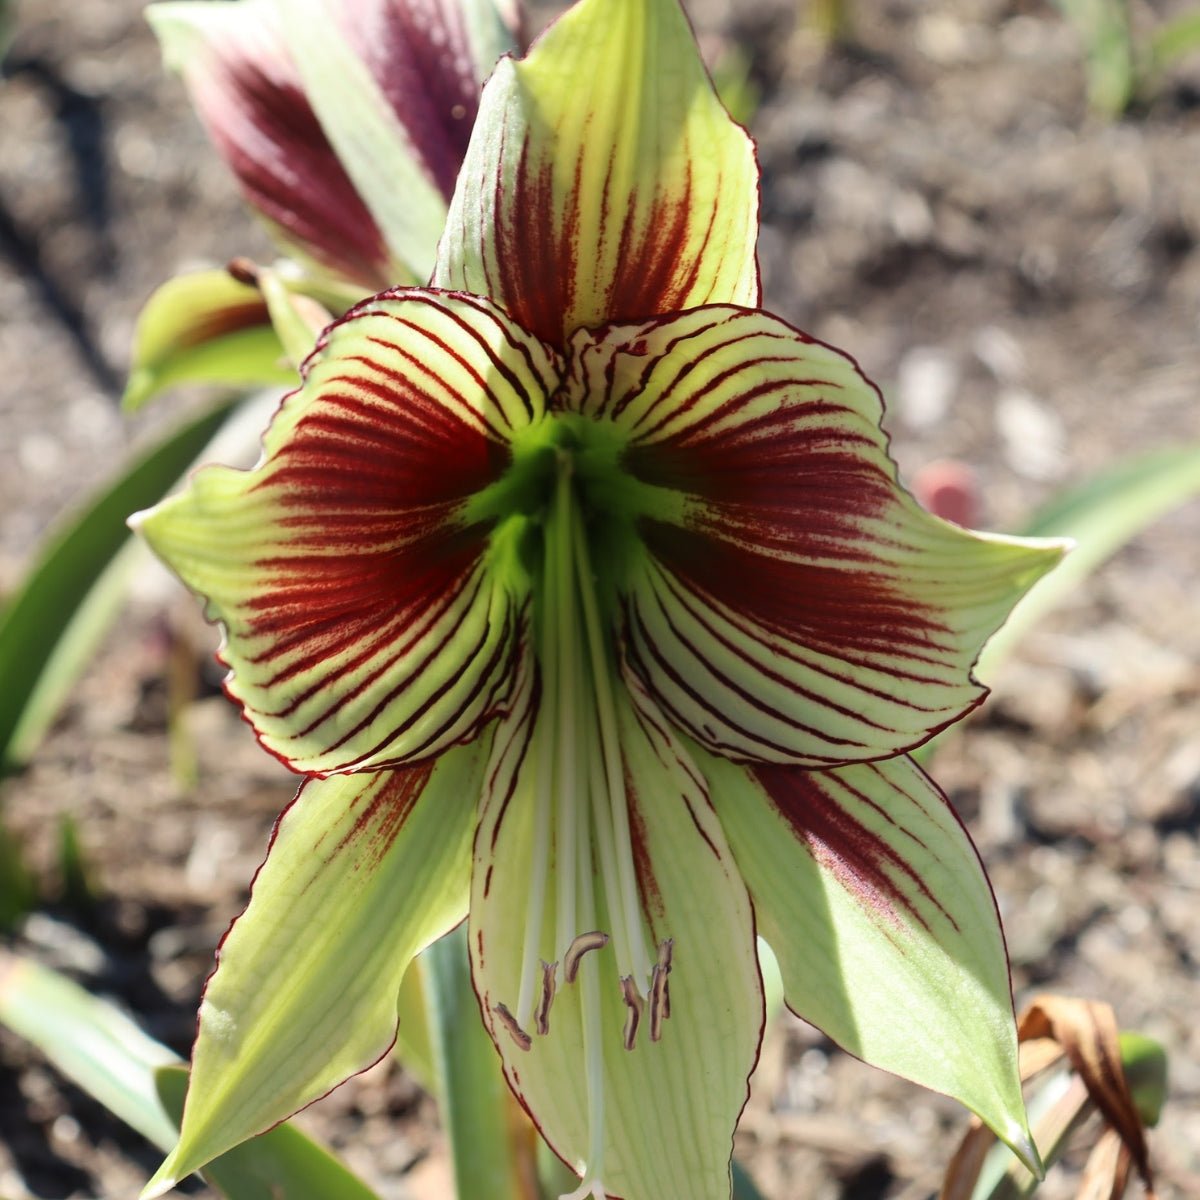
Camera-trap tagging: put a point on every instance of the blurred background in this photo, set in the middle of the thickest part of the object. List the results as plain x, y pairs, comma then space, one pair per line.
1001, 229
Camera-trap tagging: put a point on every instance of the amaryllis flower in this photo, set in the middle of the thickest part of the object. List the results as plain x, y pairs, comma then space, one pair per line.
586, 594
345, 125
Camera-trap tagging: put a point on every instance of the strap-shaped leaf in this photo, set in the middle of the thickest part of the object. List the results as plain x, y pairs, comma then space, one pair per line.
873, 898
363, 872
50, 625
604, 180
669, 1106
1099, 516
365, 622
794, 603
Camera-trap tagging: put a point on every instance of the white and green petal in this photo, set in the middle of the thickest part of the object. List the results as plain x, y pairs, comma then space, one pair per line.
788, 600
363, 872
611, 936
371, 615
604, 180
870, 893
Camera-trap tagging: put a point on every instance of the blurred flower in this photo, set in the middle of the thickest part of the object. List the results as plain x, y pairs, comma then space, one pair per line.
345, 125
296, 93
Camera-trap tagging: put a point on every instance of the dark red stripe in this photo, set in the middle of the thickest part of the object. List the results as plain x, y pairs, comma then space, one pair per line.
862, 861
386, 806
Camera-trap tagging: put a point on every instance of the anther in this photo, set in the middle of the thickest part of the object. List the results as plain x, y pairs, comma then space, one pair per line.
244, 270
578, 948
549, 984
634, 1003
660, 993
523, 1040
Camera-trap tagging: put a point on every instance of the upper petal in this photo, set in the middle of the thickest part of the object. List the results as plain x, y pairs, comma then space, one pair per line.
369, 618
791, 602
395, 85
604, 180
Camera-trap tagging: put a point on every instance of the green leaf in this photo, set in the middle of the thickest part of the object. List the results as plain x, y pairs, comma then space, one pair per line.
204, 327
1103, 27
414, 1045
89, 1040
18, 888
1175, 39
1101, 515
100, 1049
492, 1146
1144, 1062
50, 627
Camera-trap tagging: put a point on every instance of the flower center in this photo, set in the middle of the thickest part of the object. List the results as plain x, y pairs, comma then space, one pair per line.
581, 821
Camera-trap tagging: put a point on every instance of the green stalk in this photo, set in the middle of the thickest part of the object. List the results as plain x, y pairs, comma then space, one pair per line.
492, 1145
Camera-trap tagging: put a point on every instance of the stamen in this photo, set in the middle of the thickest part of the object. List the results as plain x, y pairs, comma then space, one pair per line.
634, 1003
523, 1040
549, 985
596, 940
660, 995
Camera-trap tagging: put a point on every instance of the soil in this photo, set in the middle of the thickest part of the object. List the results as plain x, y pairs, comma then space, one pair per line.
1022, 278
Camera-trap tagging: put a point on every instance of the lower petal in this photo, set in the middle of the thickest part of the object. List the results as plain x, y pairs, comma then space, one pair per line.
873, 898
363, 872
655, 1119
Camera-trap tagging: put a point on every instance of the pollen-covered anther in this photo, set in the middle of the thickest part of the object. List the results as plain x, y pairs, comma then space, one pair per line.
541, 1017
518, 1035
595, 940
660, 993
634, 1005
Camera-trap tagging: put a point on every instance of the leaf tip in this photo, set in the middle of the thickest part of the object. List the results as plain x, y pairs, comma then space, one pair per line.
1019, 1140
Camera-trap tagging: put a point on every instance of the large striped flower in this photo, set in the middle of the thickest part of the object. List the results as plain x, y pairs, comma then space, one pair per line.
586, 593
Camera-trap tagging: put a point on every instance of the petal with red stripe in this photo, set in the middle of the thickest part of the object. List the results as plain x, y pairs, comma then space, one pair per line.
868, 889
363, 872
789, 601
370, 618
618, 1069
207, 327
248, 93
407, 75
604, 180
